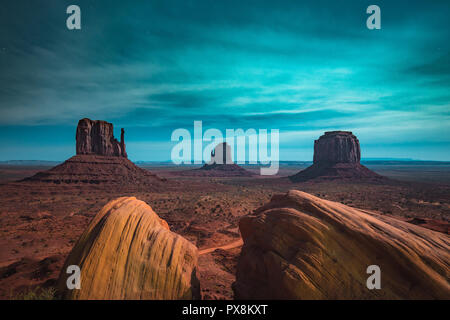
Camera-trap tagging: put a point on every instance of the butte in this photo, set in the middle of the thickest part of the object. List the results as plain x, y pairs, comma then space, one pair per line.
220, 165
100, 160
337, 156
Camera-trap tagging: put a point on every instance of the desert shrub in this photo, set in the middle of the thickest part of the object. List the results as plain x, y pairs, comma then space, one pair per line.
37, 293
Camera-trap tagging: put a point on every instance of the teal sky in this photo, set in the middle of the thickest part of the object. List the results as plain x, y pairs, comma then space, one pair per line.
303, 67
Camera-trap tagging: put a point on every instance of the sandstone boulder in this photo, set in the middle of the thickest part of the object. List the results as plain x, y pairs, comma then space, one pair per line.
302, 247
128, 252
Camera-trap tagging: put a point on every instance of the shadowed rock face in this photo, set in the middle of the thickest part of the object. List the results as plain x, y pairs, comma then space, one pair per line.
302, 247
221, 154
220, 165
128, 252
97, 137
336, 156
337, 147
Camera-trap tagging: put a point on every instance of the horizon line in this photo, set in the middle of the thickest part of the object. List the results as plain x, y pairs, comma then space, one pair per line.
245, 163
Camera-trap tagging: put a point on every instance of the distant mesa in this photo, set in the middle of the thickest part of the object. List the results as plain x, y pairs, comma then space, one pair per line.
128, 252
337, 155
99, 159
299, 246
220, 165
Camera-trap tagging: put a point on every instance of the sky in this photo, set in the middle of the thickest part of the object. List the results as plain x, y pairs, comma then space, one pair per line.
302, 67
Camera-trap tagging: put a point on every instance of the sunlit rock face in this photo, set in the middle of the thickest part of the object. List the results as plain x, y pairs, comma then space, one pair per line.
299, 246
128, 252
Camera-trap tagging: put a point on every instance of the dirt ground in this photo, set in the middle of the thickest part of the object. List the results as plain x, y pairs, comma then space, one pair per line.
39, 223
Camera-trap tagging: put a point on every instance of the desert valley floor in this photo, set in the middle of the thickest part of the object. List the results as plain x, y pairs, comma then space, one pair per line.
39, 223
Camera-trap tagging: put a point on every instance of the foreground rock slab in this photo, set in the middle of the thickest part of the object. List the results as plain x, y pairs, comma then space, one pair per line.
128, 252
302, 247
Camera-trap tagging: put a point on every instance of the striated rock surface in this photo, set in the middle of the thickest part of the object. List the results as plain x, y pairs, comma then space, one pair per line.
128, 252
337, 155
302, 247
97, 137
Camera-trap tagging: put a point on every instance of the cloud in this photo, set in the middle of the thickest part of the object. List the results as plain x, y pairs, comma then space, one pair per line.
299, 66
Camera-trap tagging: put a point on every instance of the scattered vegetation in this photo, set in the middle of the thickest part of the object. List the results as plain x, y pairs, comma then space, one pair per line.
37, 293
